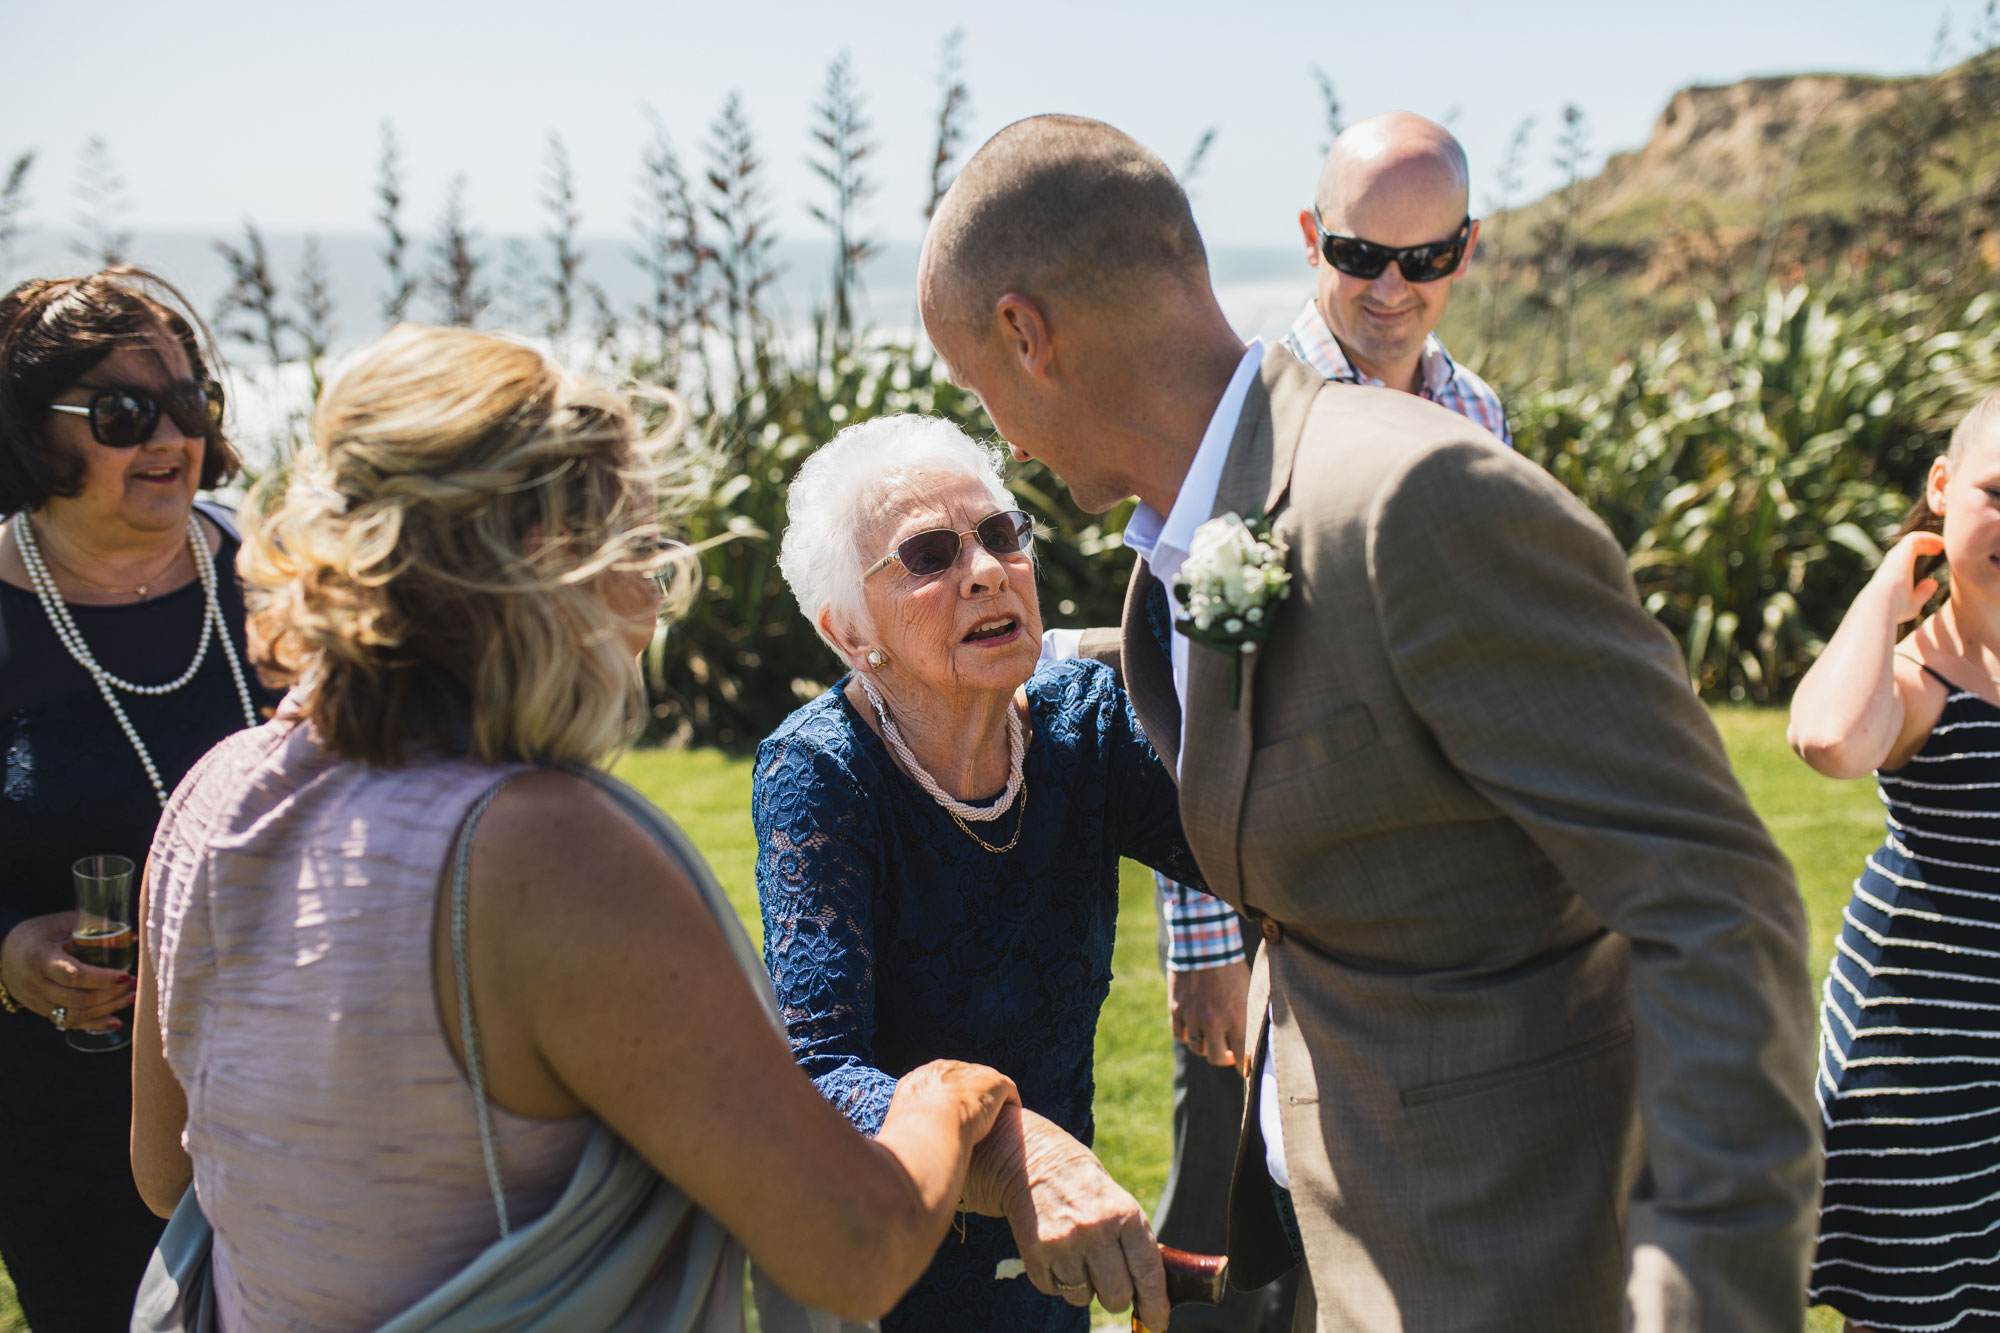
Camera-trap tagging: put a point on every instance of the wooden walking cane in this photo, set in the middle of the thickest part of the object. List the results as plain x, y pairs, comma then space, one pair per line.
1192, 1279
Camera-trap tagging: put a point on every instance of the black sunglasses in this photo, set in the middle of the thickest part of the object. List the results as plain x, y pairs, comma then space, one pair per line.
1420, 263
123, 416
1008, 532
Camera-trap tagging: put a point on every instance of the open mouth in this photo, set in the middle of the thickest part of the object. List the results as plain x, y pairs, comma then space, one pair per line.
166, 472
988, 631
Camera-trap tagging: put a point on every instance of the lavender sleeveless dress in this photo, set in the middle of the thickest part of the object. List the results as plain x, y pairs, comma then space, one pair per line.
335, 1141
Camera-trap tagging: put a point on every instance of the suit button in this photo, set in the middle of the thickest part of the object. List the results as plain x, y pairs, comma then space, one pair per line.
1273, 932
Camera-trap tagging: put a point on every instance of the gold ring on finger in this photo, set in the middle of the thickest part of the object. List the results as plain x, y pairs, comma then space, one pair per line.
1061, 1285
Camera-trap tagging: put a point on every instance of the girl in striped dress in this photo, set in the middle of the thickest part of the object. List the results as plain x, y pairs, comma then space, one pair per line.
1909, 1067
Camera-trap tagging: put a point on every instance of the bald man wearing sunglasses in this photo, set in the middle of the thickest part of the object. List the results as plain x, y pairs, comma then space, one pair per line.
1388, 234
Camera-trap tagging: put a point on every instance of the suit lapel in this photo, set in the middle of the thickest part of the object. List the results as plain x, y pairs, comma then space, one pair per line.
1221, 739
1148, 672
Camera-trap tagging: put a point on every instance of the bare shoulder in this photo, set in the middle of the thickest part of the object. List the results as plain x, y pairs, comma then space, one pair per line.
554, 842
1921, 666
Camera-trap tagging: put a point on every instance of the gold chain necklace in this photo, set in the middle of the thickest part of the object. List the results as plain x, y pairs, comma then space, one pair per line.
1020, 822
138, 590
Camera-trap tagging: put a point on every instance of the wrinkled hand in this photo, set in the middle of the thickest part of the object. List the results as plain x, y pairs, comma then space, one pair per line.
1898, 572
1206, 1008
980, 1093
1078, 1231
40, 973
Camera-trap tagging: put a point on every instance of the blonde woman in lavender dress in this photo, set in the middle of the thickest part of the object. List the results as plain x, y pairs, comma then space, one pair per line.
458, 573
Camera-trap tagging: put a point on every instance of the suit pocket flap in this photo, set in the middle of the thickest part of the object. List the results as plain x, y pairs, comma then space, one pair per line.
1349, 729
1486, 1080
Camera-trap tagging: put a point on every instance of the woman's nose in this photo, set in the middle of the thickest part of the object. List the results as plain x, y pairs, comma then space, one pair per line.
983, 569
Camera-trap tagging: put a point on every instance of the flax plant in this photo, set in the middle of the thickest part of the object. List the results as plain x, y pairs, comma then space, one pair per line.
395, 251
558, 200
841, 136
674, 258
13, 208
102, 206
1755, 470
457, 276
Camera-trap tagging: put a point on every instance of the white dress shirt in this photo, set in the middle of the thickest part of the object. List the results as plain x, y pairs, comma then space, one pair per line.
1163, 543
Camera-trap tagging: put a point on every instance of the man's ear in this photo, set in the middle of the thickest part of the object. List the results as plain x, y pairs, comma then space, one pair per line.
1311, 233
1025, 337
1471, 244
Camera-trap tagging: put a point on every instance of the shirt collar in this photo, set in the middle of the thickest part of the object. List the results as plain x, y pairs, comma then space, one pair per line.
1163, 542
1313, 342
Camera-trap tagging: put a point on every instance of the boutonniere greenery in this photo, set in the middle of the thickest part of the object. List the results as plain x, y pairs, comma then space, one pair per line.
1229, 588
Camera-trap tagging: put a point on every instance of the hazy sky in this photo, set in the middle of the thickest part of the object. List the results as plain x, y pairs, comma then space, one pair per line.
218, 112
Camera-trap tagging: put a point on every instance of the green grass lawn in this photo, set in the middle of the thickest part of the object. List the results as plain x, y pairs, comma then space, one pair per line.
1825, 827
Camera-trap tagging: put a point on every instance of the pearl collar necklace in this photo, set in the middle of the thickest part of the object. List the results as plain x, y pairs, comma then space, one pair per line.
72, 639
1017, 752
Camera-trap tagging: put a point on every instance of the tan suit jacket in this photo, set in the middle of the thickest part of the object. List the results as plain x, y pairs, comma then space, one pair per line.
1536, 973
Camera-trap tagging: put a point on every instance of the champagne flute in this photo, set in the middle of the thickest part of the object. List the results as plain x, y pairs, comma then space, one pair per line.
103, 935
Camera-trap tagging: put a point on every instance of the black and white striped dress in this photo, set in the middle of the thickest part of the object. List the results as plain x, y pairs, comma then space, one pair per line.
1909, 1073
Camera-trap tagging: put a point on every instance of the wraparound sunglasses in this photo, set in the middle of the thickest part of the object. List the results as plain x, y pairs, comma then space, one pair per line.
1008, 532
122, 416
1420, 263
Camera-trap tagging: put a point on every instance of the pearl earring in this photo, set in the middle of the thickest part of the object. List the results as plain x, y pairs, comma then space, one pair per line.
875, 659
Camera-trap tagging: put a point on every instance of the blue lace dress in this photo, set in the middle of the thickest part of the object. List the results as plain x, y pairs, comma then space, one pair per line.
893, 939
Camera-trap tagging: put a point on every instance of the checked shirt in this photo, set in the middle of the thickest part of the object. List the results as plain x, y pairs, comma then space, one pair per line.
1446, 383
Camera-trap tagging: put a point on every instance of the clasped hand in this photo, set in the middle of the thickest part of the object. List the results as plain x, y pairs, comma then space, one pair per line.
1207, 1010
42, 975
1078, 1231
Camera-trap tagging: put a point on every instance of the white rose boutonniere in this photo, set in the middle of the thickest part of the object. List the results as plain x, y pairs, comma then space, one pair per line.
1229, 588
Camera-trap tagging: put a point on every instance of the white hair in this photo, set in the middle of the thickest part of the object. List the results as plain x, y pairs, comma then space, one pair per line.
847, 484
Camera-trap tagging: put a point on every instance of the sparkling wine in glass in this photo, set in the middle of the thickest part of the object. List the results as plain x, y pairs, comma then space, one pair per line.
103, 935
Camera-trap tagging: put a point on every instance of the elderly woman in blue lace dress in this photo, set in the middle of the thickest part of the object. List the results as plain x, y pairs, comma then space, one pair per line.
938, 839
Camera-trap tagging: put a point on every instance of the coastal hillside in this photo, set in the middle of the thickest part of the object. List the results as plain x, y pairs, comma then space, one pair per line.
1822, 177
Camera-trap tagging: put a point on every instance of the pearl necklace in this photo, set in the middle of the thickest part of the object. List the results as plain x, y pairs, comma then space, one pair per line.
72, 639
1017, 747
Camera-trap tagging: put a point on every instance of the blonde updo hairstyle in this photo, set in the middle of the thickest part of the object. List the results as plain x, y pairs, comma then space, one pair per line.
430, 568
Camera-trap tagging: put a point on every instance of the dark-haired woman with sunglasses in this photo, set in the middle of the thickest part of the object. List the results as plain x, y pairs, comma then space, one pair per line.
121, 662
938, 845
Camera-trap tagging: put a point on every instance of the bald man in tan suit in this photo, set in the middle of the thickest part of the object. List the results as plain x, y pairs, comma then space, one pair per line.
1540, 1027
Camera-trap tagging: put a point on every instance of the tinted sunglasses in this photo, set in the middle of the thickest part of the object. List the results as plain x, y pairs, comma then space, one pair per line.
1420, 263
661, 555
1008, 532
121, 417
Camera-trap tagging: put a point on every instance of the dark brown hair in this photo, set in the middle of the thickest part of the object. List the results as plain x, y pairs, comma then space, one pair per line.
1983, 416
54, 331
1922, 519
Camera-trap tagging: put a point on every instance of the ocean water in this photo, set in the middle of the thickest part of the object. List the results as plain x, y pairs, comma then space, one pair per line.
1261, 290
